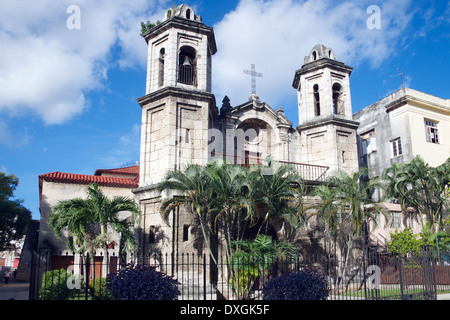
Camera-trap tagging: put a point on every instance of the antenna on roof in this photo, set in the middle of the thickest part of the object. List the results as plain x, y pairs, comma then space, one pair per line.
128, 164
401, 76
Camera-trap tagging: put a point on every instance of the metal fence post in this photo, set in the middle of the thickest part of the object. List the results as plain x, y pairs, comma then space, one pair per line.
429, 280
33, 276
87, 276
204, 276
400, 275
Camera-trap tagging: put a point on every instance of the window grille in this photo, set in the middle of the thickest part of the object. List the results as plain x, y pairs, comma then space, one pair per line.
396, 219
187, 75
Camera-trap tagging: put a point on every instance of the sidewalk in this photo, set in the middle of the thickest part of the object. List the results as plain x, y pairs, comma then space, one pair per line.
14, 290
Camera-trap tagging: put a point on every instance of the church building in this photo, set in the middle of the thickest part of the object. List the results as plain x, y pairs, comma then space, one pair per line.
182, 123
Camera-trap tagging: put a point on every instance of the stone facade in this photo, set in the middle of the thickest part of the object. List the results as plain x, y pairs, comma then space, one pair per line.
326, 128
177, 113
181, 123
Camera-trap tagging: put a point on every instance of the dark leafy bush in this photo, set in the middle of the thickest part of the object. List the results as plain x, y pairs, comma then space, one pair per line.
303, 285
137, 282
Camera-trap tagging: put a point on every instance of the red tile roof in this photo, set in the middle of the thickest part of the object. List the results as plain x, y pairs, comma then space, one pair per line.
133, 170
88, 179
72, 178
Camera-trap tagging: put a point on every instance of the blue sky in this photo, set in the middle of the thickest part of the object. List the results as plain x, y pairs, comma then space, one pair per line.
68, 96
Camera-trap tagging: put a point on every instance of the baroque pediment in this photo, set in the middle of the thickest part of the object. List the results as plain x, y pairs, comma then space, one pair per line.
255, 107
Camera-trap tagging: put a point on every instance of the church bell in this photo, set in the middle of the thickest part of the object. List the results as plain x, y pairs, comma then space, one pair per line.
186, 62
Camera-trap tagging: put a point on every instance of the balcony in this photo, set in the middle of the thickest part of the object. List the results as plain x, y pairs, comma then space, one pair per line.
308, 172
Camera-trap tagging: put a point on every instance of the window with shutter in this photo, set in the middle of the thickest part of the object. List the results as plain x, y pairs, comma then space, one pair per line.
396, 147
431, 131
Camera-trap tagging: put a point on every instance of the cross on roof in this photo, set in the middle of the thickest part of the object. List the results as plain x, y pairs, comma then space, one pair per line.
253, 74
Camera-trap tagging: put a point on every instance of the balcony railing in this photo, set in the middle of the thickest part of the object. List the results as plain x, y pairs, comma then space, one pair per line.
308, 172
187, 75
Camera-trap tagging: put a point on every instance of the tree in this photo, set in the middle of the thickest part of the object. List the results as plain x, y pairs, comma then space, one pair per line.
146, 27
231, 204
14, 217
439, 240
345, 208
193, 192
216, 194
232, 199
415, 184
275, 189
87, 220
252, 259
403, 242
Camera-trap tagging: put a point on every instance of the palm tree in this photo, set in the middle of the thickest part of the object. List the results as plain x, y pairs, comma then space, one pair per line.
87, 220
417, 185
255, 258
230, 202
345, 208
216, 194
193, 191
275, 188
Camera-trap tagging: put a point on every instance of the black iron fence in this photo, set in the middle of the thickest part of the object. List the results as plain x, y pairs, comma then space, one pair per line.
422, 276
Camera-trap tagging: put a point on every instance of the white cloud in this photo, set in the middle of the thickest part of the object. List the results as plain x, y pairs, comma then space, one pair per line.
277, 35
47, 69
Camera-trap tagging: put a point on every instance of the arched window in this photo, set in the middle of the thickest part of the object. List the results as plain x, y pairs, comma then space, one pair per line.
338, 105
316, 100
187, 66
188, 14
161, 67
314, 55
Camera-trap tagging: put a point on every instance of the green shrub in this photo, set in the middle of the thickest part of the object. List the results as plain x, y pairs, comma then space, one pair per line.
54, 285
403, 242
252, 259
98, 289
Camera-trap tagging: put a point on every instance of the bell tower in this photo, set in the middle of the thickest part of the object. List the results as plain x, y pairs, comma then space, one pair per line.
177, 111
328, 133
178, 106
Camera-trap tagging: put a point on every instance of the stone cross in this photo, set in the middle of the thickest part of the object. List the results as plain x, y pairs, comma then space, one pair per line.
253, 74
